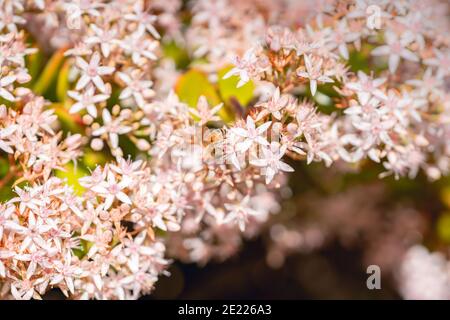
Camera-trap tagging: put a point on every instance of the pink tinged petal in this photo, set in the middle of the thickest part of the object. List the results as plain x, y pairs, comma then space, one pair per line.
98, 281
105, 49
313, 87
259, 162
270, 173
76, 107
6, 147
7, 131
31, 269
381, 51
308, 64
25, 243
242, 82
250, 123
92, 110
99, 83
374, 155
231, 73
216, 108
262, 128
108, 202
123, 130
140, 101
408, 55
92, 251
133, 263
84, 80
114, 139
158, 222
393, 62
343, 51
106, 116
355, 86
95, 59
83, 65
325, 79
70, 285
28, 295
379, 81
244, 145
15, 293
10, 225
353, 110
2, 270
74, 95
285, 167
6, 95
234, 160
57, 279
105, 70
123, 197
99, 189
303, 74
240, 132
309, 158
126, 93
100, 98
6, 81
262, 141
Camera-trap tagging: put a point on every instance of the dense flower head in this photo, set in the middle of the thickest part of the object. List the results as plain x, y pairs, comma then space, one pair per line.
185, 170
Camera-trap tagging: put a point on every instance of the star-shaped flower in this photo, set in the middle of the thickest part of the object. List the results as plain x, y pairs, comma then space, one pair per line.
92, 72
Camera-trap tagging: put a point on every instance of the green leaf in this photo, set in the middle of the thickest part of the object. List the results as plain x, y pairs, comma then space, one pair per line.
358, 60
69, 122
50, 72
34, 64
443, 227
176, 53
445, 196
92, 159
72, 175
228, 88
62, 84
84, 248
4, 167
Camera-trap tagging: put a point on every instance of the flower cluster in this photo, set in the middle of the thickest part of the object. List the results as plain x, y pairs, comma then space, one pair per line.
46, 227
188, 173
390, 117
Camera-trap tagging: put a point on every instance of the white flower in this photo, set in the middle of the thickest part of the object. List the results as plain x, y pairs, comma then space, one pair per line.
5, 82
112, 127
4, 134
251, 134
274, 106
366, 86
111, 189
395, 49
140, 47
92, 72
239, 212
246, 68
86, 100
314, 73
139, 89
145, 20
102, 37
204, 113
271, 161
